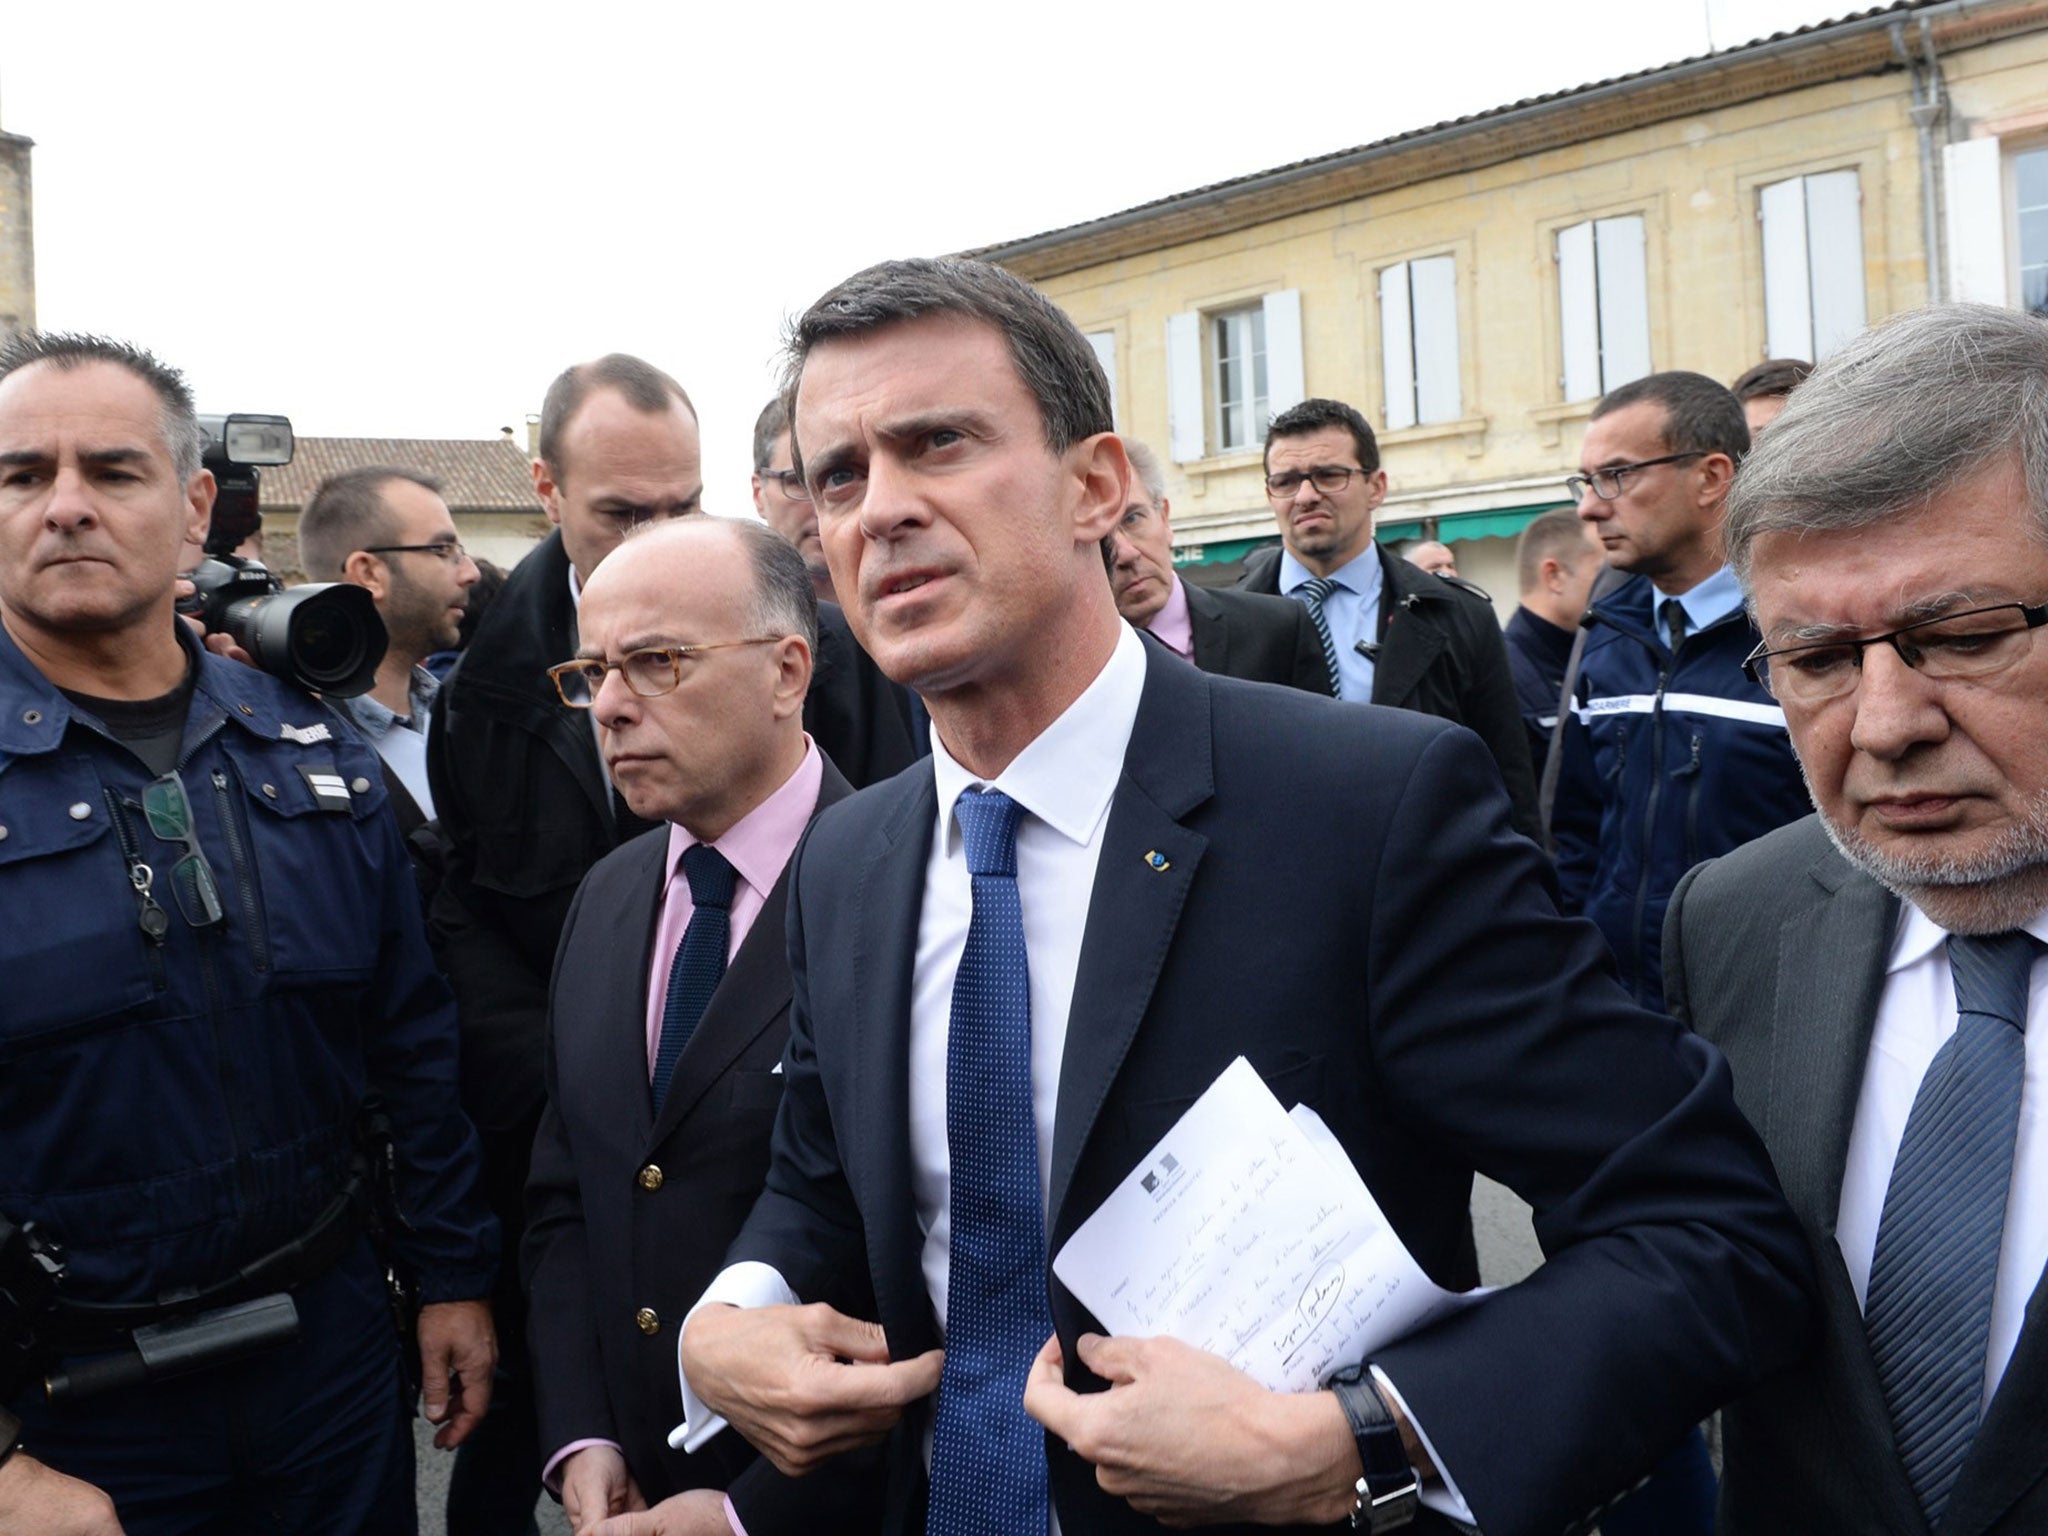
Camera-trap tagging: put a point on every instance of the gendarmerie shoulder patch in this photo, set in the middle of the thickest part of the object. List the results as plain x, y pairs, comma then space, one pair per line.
329, 788
305, 735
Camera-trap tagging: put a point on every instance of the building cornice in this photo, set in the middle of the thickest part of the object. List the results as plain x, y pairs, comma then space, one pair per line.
1857, 46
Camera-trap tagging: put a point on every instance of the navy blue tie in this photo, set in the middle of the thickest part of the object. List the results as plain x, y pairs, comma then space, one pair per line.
988, 1457
699, 964
1928, 1308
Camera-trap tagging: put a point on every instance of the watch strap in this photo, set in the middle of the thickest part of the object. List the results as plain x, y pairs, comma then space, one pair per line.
1389, 1493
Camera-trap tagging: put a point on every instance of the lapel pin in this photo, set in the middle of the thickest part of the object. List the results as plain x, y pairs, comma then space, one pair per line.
1158, 861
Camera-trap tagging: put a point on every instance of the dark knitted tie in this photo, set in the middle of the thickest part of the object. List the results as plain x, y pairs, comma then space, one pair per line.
988, 1457
1674, 621
699, 964
1928, 1308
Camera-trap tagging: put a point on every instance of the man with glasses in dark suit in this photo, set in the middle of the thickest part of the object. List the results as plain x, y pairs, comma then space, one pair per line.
215, 960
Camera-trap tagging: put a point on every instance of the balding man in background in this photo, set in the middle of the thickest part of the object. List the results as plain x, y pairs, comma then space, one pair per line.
1556, 562
1234, 634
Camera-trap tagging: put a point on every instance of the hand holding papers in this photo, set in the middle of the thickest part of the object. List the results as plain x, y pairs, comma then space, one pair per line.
1247, 1233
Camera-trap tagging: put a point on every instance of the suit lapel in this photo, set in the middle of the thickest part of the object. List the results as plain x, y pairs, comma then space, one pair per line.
1831, 973
753, 993
1209, 627
1413, 641
1831, 962
620, 1014
2010, 1454
1137, 900
874, 1119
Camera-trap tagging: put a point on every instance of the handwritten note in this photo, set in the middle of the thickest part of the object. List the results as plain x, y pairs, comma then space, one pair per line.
1246, 1232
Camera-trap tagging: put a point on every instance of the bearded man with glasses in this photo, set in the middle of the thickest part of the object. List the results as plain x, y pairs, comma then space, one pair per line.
215, 962
1875, 971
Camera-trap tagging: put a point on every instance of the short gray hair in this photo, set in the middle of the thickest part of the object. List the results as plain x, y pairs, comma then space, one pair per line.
783, 600
1896, 417
1145, 465
184, 438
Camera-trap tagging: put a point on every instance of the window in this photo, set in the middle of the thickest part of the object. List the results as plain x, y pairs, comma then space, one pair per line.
1238, 345
2030, 223
1813, 264
1603, 305
1231, 371
1104, 343
1419, 341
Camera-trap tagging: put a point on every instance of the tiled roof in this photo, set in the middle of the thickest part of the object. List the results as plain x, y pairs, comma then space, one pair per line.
1002, 249
490, 475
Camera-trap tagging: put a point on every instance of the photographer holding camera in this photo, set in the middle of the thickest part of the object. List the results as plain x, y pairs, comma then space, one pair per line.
214, 956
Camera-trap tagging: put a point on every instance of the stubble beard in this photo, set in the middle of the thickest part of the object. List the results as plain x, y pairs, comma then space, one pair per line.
2000, 889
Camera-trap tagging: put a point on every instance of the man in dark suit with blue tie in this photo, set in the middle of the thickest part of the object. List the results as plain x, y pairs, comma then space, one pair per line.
669, 1010
1878, 972
1017, 966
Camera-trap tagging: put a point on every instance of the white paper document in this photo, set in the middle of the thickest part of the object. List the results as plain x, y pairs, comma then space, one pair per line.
1247, 1233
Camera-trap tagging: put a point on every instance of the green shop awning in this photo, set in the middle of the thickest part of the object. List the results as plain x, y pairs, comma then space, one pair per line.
1496, 523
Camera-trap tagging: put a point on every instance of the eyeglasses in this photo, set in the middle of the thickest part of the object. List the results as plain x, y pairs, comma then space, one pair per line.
1327, 478
449, 552
170, 817
791, 482
1609, 483
649, 673
1979, 643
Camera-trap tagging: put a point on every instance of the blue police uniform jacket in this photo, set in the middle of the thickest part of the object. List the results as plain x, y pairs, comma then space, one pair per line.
173, 1107
1685, 758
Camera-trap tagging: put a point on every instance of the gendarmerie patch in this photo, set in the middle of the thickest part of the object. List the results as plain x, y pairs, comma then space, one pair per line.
329, 788
305, 735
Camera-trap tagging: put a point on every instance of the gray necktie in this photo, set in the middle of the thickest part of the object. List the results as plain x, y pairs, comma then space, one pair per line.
1311, 594
1928, 1309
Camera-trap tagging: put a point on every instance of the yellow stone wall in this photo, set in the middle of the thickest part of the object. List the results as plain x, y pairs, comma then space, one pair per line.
1695, 179
17, 238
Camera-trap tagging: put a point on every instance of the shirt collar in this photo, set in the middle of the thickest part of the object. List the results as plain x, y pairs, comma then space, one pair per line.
377, 722
1713, 599
759, 844
1360, 574
1919, 936
1172, 622
1068, 773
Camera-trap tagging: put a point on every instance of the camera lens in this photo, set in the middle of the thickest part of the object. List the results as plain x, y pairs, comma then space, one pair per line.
326, 637
326, 648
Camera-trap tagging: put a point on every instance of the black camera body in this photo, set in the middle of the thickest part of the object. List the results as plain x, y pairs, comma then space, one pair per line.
326, 637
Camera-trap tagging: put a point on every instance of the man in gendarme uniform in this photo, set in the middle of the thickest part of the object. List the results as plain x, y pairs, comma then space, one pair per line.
214, 957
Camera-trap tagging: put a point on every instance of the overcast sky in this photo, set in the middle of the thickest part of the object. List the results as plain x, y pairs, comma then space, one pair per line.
403, 220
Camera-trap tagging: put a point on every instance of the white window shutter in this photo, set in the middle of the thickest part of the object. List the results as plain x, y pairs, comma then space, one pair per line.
1397, 347
1285, 377
1834, 253
1578, 312
1104, 343
1975, 174
1185, 416
1435, 284
1624, 301
1788, 307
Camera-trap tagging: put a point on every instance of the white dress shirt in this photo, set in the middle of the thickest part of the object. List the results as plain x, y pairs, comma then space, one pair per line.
1065, 779
1916, 1013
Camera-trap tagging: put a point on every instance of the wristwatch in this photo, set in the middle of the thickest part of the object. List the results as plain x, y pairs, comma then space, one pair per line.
10, 1435
1390, 1493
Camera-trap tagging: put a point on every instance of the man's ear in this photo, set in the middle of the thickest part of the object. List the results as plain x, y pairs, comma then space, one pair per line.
200, 491
793, 659
1717, 472
1103, 470
548, 489
367, 571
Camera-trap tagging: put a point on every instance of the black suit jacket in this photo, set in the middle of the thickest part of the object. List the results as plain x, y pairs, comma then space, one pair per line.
1390, 957
1777, 953
629, 1210
1260, 639
526, 810
1441, 654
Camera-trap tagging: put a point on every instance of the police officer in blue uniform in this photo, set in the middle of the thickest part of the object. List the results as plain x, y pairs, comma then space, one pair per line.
211, 958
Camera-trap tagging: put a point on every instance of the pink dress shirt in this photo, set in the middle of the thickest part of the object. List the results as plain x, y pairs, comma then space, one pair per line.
1172, 623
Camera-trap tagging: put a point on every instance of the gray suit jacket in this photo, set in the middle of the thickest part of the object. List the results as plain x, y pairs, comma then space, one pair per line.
1777, 954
